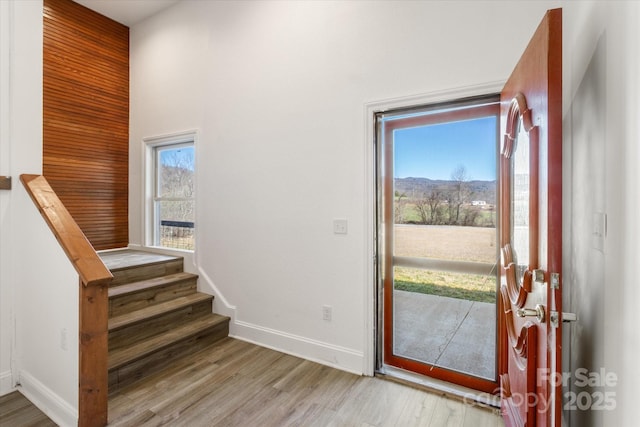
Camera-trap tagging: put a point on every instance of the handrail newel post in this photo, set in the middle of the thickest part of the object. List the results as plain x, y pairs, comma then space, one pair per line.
93, 309
93, 354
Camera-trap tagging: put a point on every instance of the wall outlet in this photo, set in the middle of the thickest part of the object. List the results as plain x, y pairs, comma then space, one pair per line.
326, 313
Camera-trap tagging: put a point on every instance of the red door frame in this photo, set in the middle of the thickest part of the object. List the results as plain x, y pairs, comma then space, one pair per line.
476, 383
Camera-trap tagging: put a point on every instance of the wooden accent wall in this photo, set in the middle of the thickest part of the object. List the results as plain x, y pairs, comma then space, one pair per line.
86, 118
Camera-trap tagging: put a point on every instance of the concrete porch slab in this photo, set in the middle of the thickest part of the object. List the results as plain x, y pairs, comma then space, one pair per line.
448, 332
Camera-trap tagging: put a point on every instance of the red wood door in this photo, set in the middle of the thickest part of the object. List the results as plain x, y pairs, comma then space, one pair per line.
531, 231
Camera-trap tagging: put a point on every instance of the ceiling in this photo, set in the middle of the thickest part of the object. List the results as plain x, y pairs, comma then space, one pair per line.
127, 12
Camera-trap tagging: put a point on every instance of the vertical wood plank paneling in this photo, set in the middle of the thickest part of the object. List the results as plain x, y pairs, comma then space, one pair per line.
86, 118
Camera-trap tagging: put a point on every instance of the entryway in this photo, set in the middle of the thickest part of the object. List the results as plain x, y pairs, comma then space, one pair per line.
437, 240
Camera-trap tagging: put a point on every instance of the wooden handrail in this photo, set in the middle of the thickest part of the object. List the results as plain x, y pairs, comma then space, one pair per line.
93, 300
80, 252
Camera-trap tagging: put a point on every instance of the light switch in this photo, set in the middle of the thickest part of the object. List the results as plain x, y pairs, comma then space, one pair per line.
339, 226
599, 230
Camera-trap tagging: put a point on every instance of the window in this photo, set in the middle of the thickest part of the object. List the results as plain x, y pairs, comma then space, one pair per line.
172, 183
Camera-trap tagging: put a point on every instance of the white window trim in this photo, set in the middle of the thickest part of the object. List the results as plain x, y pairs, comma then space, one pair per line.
149, 185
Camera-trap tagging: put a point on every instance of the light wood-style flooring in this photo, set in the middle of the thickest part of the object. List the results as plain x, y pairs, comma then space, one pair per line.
16, 410
234, 383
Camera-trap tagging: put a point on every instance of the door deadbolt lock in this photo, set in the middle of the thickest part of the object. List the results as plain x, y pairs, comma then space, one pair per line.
566, 318
538, 312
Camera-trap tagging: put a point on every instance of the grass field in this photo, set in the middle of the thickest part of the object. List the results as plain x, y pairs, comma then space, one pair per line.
454, 285
446, 242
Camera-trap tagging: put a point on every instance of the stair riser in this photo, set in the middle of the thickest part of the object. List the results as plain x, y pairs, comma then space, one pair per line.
159, 360
163, 323
156, 315
144, 272
123, 304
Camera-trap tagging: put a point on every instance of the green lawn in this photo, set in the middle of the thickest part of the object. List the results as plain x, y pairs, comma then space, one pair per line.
455, 285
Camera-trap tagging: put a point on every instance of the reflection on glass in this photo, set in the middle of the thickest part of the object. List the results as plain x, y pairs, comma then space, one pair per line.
520, 202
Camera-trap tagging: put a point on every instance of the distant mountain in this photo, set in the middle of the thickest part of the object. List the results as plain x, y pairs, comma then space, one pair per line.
418, 187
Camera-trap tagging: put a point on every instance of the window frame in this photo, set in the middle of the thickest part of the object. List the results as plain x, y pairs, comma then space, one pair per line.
433, 114
153, 146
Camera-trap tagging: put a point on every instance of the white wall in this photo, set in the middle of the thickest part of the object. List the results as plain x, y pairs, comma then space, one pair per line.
6, 296
601, 157
38, 286
278, 92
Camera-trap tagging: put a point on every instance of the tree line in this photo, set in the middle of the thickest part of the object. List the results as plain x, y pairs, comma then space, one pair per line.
177, 180
444, 206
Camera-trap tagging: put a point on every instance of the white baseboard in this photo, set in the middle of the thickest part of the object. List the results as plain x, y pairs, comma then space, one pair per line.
338, 357
316, 351
6, 383
327, 354
60, 411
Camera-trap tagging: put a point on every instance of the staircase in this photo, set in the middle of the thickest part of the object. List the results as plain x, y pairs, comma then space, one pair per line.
156, 314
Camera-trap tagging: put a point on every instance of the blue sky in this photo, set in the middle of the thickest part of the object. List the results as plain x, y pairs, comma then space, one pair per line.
182, 156
434, 151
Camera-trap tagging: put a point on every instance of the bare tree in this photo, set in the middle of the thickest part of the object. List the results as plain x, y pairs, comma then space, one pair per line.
471, 214
177, 181
434, 200
422, 206
399, 207
176, 176
459, 194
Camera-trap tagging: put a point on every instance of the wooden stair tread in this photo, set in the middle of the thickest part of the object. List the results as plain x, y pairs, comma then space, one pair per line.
128, 258
156, 315
156, 310
121, 357
150, 283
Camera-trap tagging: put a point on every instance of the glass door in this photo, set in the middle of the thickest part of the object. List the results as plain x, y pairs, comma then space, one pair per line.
437, 236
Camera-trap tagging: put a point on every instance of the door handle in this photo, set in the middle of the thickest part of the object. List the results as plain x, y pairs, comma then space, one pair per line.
538, 312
